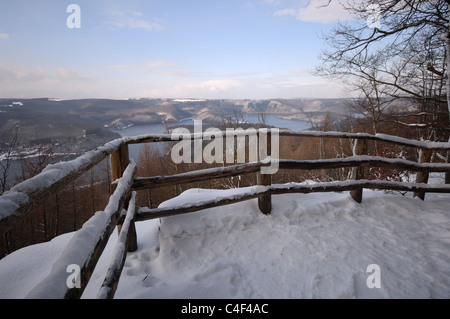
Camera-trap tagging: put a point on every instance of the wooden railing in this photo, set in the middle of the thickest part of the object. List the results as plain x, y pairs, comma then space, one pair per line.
87, 244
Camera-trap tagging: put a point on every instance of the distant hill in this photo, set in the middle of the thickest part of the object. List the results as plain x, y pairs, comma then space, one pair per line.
83, 124
42, 122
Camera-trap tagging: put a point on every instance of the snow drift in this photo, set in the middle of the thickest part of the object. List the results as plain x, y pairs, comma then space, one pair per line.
311, 246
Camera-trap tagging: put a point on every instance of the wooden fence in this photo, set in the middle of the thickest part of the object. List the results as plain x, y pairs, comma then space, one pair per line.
87, 244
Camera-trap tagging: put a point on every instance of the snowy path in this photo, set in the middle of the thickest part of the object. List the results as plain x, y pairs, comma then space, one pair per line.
312, 246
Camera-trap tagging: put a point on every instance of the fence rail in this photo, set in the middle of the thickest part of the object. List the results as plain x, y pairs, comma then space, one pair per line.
144, 214
141, 183
86, 246
111, 281
401, 141
89, 242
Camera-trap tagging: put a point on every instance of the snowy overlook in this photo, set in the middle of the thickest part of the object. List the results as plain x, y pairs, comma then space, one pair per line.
311, 246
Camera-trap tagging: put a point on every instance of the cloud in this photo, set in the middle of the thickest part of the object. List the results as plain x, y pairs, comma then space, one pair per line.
285, 12
163, 64
160, 79
219, 85
133, 20
30, 74
124, 68
209, 89
73, 75
35, 81
4, 36
318, 11
155, 67
254, 3
273, 2
288, 84
11, 74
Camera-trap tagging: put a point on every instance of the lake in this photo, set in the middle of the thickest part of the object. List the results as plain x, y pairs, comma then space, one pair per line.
15, 169
160, 128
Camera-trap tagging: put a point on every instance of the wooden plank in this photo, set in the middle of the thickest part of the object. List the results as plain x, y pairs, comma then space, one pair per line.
265, 201
378, 137
196, 176
23, 198
242, 169
54, 286
422, 177
153, 138
371, 161
361, 148
132, 238
150, 138
111, 281
123, 194
447, 175
149, 214
119, 162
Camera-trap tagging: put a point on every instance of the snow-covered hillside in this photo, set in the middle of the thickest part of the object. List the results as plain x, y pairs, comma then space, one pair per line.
311, 246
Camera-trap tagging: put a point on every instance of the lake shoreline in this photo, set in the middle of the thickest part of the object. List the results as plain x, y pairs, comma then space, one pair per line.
143, 129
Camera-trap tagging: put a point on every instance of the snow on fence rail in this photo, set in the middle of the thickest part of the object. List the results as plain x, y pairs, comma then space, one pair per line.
111, 281
278, 189
141, 183
425, 145
24, 197
86, 246
88, 243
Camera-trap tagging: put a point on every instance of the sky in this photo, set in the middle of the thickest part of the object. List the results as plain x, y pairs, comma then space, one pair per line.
213, 49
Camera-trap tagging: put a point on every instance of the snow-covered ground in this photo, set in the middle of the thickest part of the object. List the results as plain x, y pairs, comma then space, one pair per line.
311, 246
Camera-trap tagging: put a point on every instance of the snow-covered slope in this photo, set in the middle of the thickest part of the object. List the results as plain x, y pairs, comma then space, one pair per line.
311, 246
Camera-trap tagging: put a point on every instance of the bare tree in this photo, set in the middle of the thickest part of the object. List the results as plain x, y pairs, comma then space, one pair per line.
7, 148
233, 120
262, 119
33, 165
372, 103
405, 53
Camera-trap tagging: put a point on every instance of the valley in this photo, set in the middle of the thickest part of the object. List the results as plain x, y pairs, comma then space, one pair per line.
76, 126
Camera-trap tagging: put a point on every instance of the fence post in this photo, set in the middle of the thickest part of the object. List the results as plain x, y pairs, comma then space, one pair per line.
264, 201
119, 162
447, 175
422, 177
358, 173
